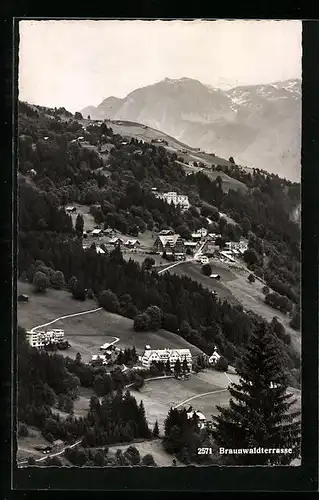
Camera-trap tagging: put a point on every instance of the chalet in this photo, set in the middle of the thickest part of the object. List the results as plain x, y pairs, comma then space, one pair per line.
200, 416
116, 241
171, 244
166, 232
97, 232
70, 209
23, 297
100, 250
132, 243
214, 357
163, 355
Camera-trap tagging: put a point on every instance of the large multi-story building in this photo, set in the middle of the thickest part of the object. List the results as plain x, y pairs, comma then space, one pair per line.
175, 198
150, 355
42, 338
171, 244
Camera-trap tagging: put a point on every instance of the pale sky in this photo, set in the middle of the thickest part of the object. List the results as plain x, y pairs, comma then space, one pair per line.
79, 63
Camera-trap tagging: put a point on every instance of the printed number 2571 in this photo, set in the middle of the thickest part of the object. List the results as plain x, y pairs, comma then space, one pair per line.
204, 451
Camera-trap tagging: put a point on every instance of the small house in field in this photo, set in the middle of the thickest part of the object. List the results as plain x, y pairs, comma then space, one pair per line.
132, 243
70, 209
96, 232
116, 241
200, 416
23, 297
215, 276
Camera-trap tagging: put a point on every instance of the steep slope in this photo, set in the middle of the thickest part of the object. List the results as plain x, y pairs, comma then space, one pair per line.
259, 125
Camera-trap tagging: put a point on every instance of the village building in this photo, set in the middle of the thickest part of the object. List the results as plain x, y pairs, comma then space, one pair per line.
132, 243
96, 232
190, 244
204, 260
150, 355
166, 232
214, 358
199, 415
96, 358
172, 197
227, 255
23, 297
70, 209
171, 244
116, 241
100, 250
215, 276
42, 338
196, 236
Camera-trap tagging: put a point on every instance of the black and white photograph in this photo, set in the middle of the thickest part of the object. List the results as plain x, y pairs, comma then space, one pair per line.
159, 243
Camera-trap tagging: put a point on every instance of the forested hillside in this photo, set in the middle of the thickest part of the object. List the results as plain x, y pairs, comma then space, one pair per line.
56, 171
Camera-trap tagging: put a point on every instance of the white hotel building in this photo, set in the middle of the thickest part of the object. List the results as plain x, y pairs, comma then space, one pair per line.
41, 338
176, 199
163, 355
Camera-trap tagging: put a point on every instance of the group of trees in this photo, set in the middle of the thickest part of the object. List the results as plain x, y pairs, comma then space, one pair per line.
183, 438
102, 458
117, 418
262, 410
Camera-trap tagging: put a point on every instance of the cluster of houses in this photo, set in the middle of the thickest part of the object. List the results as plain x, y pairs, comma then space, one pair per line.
173, 197
41, 338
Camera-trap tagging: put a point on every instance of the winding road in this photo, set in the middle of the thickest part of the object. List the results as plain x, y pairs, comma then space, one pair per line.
187, 260
23, 462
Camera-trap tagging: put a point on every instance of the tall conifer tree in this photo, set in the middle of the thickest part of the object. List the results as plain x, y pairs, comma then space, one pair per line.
260, 412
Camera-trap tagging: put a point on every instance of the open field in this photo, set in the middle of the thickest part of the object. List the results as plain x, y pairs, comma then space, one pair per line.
26, 444
251, 297
142, 132
46, 307
86, 333
193, 270
159, 395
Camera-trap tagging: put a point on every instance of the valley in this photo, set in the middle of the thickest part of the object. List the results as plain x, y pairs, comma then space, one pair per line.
143, 246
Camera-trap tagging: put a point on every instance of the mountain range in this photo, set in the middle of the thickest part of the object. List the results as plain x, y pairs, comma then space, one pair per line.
258, 125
